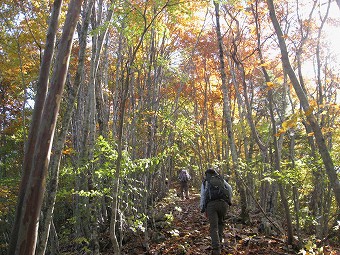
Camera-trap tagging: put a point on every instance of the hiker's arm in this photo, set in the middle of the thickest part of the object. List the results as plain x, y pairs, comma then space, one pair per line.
202, 199
230, 191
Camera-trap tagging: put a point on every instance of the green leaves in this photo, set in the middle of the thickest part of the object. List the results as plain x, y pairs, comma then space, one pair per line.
137, 222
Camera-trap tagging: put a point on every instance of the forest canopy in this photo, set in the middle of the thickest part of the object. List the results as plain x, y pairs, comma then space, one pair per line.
103, 102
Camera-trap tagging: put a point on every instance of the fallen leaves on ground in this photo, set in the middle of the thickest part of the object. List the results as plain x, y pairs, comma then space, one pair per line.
180, 228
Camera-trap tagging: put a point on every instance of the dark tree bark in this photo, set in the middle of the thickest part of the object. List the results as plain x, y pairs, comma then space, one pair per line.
36, 118
52, 186
25, 242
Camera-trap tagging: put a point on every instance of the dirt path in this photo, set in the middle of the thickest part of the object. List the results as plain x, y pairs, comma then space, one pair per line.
188, 232
180, 228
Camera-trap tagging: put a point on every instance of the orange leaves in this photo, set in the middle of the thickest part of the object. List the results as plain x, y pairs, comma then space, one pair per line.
68, 151
285, 36
270, 84
280, 132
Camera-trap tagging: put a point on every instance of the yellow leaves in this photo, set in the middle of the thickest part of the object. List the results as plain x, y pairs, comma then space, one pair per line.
36, 4
328, 130
279, 80
314, 103
287, 124
239, 7
8, 197
265, 64
324, 112
253, 30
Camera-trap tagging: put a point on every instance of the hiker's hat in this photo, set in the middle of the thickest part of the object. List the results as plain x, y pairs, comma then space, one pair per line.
210, 171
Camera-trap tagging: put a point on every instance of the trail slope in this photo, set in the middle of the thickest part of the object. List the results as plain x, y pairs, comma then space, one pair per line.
180, 228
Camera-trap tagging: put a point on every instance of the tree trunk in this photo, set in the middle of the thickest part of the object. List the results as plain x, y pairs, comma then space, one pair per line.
277, 159
320, 141
113, 224
228, 121
36, 118
52, 185
28, 222
53, 240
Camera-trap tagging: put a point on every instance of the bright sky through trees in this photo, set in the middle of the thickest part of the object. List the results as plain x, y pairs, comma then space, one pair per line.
155, 86
333, 31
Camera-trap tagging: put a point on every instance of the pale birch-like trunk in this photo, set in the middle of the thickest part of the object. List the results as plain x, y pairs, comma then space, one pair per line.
227, 113
277, 159
115, 188
90, 217
244, 108
315, 204
319, 195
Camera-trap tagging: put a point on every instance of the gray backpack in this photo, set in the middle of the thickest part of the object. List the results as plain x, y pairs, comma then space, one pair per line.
216, 188
184, 176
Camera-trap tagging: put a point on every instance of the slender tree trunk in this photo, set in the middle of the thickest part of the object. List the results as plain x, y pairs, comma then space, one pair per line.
52, 185
319, 198
277, 150
28, 222
266, 196
228, 121
318, 178
323, 150
115, 207
277, 160
245, 107
36, 118
54, 242
90, 215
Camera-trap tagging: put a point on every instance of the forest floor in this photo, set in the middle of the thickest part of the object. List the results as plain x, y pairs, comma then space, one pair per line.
180, 228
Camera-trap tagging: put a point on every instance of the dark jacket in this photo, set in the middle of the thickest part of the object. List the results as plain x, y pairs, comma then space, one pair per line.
204, 188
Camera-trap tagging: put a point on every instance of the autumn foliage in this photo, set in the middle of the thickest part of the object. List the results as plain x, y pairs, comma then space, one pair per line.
145, 95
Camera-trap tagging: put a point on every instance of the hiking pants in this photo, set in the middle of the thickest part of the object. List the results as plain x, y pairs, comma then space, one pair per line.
184, 190
216, 211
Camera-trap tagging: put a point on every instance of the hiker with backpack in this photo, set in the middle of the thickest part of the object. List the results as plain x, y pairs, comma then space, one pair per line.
184, 177
216, 195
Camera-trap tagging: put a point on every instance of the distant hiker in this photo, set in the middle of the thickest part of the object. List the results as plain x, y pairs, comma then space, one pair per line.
216, 195
184, 177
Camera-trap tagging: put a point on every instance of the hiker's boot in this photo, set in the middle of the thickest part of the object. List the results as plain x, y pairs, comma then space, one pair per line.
221, 239
216, 252
221, 243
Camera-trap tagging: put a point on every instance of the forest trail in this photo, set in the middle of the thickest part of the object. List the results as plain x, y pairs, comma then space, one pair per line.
180, 228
